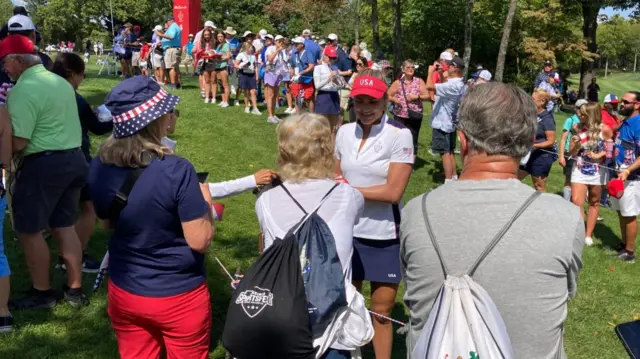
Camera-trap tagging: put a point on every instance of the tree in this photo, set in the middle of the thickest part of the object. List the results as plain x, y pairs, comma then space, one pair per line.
612, 37
504, 43
374, 28
468, 30
6, 10
633, 40
397, 35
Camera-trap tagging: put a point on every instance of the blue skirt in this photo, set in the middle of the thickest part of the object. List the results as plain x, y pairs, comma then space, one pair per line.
247, 81
376, 260
327, 103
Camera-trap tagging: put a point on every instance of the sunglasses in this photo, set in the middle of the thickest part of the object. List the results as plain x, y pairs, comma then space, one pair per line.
625, 102
359, 64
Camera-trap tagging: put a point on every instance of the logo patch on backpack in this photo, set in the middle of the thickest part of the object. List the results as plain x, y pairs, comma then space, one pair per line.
254, 301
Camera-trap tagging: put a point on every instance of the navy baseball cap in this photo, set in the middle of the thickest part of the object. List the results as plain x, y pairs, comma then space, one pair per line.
170, 18
135, 103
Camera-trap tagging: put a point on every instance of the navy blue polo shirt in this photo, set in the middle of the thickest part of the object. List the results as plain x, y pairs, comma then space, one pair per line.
148, 253
344, 62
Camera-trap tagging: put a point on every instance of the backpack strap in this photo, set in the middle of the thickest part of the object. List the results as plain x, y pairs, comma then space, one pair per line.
307, 215
286, 190
491, 245
122, 196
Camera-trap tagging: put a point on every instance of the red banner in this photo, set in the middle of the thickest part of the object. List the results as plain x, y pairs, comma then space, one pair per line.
187, 15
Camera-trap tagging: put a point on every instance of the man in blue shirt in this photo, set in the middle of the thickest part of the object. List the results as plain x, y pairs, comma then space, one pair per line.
627, 154
187, 50
311, 46
172, 50
302, 64
545, 73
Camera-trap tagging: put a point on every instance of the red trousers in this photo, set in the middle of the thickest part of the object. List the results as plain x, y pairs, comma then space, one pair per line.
181, 324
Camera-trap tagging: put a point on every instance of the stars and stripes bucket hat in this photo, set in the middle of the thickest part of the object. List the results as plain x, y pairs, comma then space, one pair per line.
136, 102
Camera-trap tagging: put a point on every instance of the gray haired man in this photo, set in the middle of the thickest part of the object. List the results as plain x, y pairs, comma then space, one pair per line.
540, 253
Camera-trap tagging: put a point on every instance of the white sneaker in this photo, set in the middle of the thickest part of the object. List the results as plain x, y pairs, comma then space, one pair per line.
255, 111
207, 100
247, 110
224, 105
290, 111
213, 101
588, 241
273, 120
237, 103
276, 118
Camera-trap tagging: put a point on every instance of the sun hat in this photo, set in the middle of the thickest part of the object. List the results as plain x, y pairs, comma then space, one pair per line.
581, 102
158, 28
369, 86
16, 45
279, 37
611, 98
20, 23
616, 188
298, 40
209, 23
446, 56
135, 103
247, 33
331, 52
268, 36
306, 32
230, 31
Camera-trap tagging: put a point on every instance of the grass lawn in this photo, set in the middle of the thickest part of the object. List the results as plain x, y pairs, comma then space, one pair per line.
229, 144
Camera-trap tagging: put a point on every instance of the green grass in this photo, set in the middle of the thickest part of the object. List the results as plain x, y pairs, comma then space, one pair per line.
230, 144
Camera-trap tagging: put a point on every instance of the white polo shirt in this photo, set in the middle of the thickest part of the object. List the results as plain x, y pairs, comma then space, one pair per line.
389, 142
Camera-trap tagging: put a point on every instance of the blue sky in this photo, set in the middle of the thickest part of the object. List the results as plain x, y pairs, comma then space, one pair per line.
610, 11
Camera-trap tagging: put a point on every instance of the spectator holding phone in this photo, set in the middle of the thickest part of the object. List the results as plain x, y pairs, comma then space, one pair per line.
247, 67
158, 296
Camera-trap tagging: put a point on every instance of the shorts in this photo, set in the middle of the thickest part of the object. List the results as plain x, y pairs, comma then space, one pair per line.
306, 89
336, 354
376, 260
539, 164
157, 61
172, 58
597, 179
187, 60
4, 262
271, 79
85, 193
247, 81
443, 142
569, 167
135, 59
46, 191
327, 103
629, 204
344, 99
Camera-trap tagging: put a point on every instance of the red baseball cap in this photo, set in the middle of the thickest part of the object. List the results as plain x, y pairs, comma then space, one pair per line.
136, 27
16, 45
369, 86
331, 51
616, 188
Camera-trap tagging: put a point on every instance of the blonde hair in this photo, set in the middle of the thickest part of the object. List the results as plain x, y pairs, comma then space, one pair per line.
137, 150
305, 148
543, 94
593, 114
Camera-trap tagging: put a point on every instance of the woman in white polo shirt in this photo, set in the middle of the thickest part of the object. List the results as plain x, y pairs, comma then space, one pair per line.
375, 155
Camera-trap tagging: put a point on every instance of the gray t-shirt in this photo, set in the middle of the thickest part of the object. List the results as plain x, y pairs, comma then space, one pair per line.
530, 274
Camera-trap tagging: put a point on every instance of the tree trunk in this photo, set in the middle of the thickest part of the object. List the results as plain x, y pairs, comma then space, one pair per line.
635, 61
504, 43
606, 67
397, 36
589, 28
357, 21
468, 27
375, 29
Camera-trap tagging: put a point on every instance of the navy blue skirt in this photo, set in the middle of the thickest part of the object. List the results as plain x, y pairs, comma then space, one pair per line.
247, 81
327, 103
376, 260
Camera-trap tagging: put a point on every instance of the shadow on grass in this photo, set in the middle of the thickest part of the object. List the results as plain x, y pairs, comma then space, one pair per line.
607, 237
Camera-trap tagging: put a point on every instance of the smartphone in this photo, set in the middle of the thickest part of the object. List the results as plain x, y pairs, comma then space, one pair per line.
629, 334
202, 176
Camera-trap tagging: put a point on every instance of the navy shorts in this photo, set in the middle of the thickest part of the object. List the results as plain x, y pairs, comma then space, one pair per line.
539, 164
46, 191
327, 103
376, 260
443, 142
247, 81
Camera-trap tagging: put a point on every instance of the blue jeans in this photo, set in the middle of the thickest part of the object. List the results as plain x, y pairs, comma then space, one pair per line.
336, 354
4, 263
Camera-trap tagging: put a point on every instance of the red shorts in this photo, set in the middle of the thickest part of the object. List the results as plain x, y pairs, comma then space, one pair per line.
306, 88
144, 326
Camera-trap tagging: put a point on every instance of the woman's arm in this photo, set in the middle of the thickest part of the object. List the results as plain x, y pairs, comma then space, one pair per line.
391, 92
231, 188
424, 94
392, 191
199, 232
563, 144
551, 139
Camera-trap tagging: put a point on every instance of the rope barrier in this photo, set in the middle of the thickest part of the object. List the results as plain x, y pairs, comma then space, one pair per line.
583, 161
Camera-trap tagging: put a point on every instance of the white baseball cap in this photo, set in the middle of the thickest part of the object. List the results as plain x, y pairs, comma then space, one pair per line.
279, 37
298, 40
158, 28
306, 32
268, 36
209, 24
20, 23
322, 42
247, 33
446, 56
262, 33
332, 37
581, 102
485, 75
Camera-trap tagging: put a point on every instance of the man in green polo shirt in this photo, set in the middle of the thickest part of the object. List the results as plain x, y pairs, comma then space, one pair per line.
46, 192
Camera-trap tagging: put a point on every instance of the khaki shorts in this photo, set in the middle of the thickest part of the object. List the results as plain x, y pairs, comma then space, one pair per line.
344, 99
187, 60
172, 58
156, 61
135, 59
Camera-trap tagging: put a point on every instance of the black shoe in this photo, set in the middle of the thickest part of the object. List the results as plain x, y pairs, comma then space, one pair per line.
89, 265
75, 297
6, 324
627, 256
35, 299
617, 249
